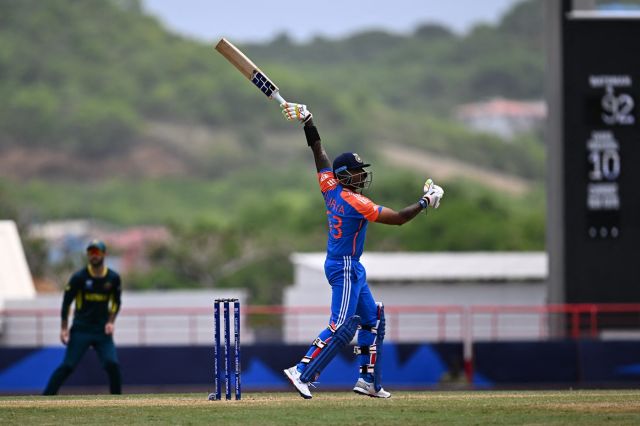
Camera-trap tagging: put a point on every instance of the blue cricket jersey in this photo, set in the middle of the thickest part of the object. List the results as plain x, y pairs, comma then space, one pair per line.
348, 214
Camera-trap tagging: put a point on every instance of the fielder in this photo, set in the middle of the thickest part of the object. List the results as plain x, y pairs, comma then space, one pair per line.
96, 291
352, 304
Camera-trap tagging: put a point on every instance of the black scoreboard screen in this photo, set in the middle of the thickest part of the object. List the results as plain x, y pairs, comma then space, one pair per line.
601, 149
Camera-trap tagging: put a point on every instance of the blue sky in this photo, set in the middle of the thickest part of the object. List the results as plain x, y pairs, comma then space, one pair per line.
256, 21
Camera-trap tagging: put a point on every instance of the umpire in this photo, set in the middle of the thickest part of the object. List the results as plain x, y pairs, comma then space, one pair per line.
96, 291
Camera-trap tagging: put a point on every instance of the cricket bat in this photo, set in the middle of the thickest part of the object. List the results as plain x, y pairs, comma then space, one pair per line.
249, 70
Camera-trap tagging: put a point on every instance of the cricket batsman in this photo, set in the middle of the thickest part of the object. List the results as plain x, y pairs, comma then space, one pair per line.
353, 307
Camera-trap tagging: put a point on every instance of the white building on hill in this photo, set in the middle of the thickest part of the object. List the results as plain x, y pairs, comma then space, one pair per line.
503, 117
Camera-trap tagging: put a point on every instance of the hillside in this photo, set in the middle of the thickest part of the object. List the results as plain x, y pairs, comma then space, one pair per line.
93, 77
106, 115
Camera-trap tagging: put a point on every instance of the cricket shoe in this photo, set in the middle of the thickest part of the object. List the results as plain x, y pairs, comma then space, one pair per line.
294, 377
363, 387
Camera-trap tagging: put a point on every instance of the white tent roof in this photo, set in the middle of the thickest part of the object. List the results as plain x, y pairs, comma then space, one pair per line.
444, 266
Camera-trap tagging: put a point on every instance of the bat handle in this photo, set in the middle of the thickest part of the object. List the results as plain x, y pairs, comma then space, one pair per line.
277, 97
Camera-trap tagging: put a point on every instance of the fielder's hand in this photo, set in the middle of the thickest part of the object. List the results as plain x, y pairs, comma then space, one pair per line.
64, 336
296, 112
432, 195
108, 328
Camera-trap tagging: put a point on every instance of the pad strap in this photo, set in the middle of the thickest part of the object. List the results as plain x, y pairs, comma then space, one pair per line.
365, 350
372, 328
319, 344
367, 369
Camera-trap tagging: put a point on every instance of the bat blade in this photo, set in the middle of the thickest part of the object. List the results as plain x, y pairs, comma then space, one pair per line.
249, 69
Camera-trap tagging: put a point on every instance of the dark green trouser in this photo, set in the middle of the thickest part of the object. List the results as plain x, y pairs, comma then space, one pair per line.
79, 342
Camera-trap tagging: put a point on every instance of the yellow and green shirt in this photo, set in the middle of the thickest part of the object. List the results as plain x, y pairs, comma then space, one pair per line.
96, 298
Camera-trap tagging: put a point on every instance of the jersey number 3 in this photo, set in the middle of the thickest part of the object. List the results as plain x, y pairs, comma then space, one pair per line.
335, 226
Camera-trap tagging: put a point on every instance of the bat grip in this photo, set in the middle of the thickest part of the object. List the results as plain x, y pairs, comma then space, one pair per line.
277, 97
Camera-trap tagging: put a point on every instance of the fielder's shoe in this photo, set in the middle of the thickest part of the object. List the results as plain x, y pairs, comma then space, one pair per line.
294, 377
363, 387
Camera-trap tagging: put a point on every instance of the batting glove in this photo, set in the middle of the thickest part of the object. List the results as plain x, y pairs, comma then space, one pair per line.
432, 195
296, 112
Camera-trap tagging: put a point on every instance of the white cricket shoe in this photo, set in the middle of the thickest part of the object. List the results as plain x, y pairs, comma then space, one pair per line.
294, 377
365, 388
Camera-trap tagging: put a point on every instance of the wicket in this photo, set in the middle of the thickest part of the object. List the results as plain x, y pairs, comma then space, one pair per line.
217, 365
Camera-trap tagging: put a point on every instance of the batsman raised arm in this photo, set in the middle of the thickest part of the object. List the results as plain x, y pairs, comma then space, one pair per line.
352, 304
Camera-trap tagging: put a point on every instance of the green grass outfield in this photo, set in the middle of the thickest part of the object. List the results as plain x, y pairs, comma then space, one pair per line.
593, 407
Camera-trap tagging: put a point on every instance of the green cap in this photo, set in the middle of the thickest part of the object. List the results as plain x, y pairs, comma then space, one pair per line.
100, 245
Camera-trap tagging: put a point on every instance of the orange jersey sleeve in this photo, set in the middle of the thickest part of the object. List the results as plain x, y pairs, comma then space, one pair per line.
327, 180
362, 204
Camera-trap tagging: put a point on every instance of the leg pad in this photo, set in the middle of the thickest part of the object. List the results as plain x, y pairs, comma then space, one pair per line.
341, 338
380, 330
